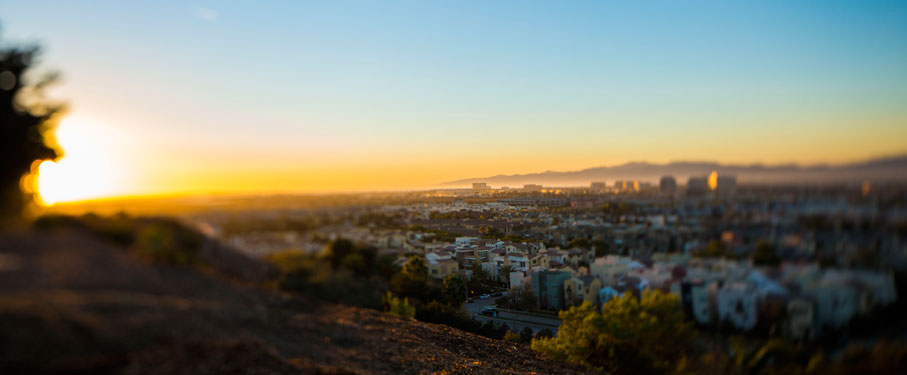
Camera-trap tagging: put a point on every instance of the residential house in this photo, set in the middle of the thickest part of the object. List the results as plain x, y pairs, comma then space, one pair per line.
539, 260
701, 303
441, 268
610, 268
738, 305
800, 322
580, 288
466, 241
577, 256
516, 278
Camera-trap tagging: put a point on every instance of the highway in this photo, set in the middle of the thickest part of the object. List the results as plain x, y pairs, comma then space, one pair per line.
516, 320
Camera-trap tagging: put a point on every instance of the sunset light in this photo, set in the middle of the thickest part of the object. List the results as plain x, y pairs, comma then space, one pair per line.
713, 180
88, 169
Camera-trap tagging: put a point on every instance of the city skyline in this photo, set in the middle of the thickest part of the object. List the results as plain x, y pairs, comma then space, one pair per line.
187, 98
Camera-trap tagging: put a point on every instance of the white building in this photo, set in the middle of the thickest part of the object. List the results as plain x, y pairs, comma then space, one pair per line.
738, 304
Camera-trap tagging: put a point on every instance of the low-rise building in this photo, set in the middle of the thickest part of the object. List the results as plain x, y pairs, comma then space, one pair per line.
738, 305
441, 268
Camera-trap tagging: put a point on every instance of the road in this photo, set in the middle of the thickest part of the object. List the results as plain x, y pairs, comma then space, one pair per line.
514, 319
476, 307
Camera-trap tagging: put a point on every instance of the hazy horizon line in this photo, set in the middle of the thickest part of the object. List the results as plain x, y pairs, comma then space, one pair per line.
438, 186
863, 160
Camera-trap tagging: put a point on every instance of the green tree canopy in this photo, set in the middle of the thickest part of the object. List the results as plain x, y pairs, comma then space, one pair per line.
385, 267
522, 297
359, 259
765, 254
413, 280
454, 290
337, 250
601, 248
716, 249
544, 333
643, 336
480, 282
579, 242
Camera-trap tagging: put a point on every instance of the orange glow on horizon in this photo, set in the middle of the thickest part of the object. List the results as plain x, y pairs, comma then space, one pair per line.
104, 162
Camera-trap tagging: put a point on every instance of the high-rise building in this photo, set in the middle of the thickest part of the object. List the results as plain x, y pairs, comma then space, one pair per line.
532, 188
625, 186
479, 187
726, 185
697, 186
597, 186
668, 185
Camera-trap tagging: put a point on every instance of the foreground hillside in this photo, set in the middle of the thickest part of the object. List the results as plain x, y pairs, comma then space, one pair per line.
75, 301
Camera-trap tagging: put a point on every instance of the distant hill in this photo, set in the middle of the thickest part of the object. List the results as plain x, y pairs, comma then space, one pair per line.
882, 169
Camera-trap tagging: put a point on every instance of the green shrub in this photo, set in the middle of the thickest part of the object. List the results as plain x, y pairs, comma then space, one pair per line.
629, 335
413, 280
512, 337
312, 275
169, 243
399, 307
544, 333
290, 260
454, 290
526, 335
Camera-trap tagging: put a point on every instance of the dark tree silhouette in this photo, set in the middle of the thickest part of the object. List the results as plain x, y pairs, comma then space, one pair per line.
25, 117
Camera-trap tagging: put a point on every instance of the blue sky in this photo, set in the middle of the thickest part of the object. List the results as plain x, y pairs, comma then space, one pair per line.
501, 86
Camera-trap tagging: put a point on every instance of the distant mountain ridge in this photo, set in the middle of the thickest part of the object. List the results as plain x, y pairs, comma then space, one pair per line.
878, 170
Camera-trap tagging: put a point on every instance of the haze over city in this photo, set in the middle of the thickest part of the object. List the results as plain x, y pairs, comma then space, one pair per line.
170, 97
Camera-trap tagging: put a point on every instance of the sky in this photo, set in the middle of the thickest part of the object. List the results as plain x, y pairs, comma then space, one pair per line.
173, 97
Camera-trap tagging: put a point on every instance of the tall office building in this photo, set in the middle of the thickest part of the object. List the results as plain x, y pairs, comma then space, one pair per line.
668, 185
697, 186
